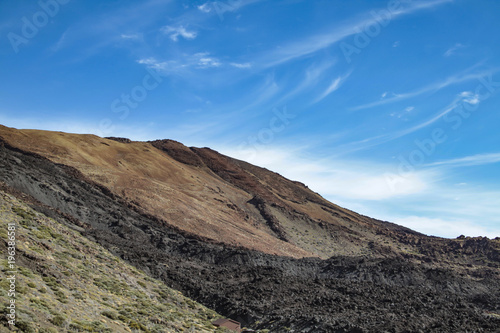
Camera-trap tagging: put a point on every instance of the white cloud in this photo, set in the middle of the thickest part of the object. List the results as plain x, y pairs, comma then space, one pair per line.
311, 77
453, 49
175, 32
201, 60
463, 97
206, 7
409, 108
154, 64
208, 62
131, 36
243, 65
470, 97
319, 42
479, 159
102, 30
336, 83
204, 60
223, 6
433, 87
450, 228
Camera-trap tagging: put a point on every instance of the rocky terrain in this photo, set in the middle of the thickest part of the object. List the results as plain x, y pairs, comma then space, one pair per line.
69, 283
259, 248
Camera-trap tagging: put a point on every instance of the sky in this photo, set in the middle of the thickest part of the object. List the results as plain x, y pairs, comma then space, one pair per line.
388, 108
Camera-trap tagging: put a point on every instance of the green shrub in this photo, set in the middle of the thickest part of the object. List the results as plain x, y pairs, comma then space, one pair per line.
25, 327
47, 330
138, 326
26, 272
51, 282
40, 303
58, 320
110, 315
94, 326
21, 290
22, 213
123, 318
78, 296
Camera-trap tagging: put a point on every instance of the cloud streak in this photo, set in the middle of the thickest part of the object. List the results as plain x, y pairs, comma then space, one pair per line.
175, 32
201, 60
453, 49
220, 7
334, 85
431, 88
464, 97
473, 160
319, 42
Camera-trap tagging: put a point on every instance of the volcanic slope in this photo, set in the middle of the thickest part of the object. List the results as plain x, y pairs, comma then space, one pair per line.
66, 282
205, 193
441, 285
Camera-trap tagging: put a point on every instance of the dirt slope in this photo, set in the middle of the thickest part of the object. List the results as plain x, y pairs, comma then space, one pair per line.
203, 192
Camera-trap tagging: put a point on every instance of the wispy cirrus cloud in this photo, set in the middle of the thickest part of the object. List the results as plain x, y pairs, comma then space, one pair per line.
134, 36
204, 60
311, 77
464, 97
473, 160
334, 85
175, 32
452, 50
105, 29
430, 88
221, 7
201, 60
241, 65
206, 7
319, 42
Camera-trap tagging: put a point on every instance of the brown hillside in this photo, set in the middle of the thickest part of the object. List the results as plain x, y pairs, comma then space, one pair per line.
215, 196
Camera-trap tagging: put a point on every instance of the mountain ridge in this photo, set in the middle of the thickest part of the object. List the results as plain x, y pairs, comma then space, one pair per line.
259, 201
426, 283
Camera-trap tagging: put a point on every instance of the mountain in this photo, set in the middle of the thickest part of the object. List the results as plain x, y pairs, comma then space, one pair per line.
249, 243
203, 192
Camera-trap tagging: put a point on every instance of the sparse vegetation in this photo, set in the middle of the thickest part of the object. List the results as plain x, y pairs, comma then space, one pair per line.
68, 287
58, 320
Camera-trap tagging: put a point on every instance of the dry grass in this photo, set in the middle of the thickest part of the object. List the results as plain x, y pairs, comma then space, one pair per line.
188, 197
68, 283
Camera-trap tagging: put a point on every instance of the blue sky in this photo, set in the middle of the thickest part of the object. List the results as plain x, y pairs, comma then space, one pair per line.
389, 108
